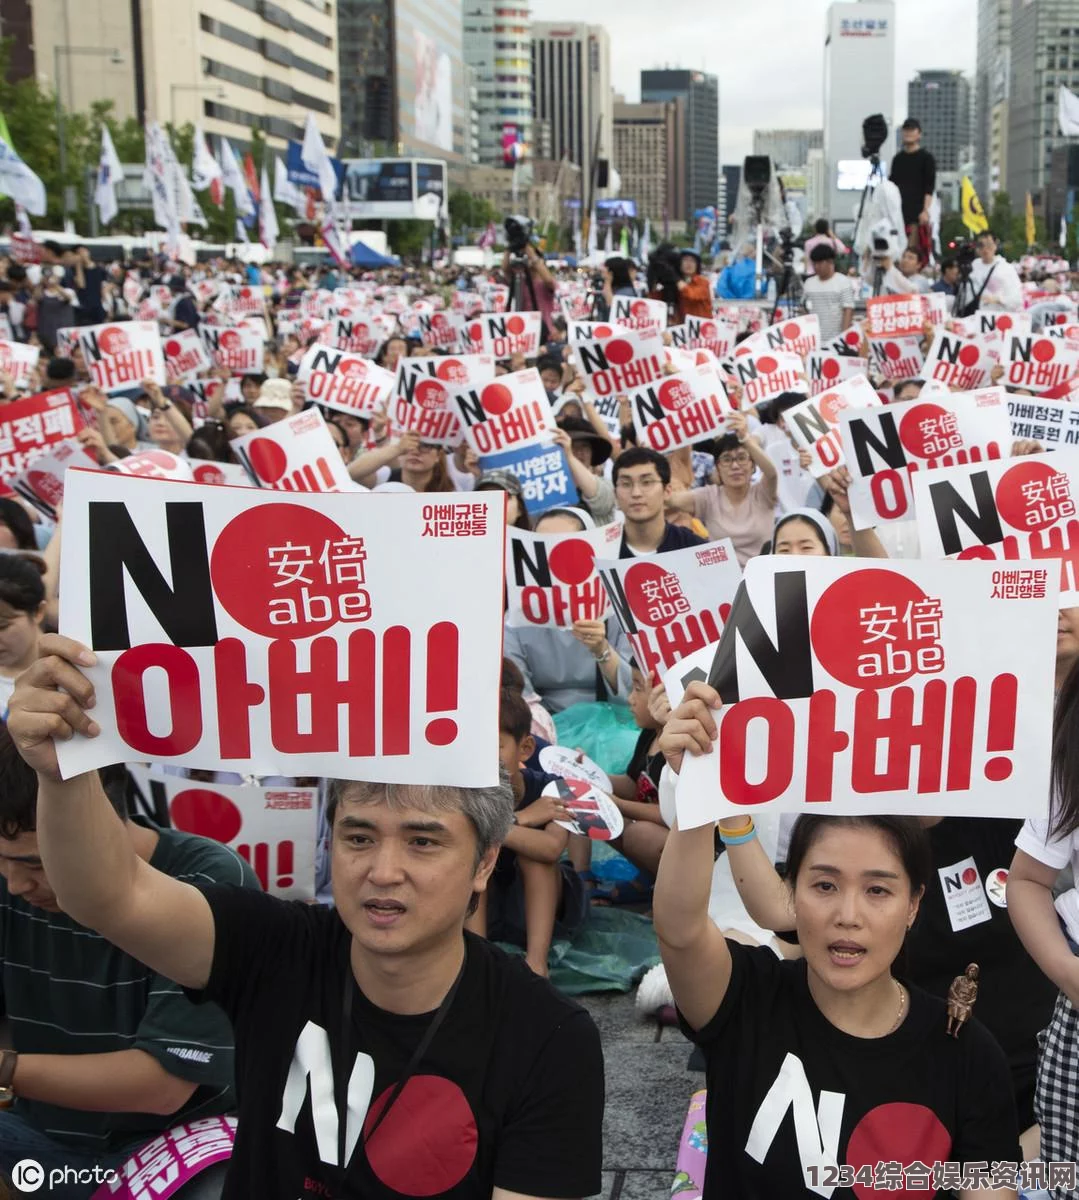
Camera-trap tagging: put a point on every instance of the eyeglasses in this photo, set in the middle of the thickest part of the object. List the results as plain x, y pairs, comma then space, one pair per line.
740, 456
429, 446
644, 485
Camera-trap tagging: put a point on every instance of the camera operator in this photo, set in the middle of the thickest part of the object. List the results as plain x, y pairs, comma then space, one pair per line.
536, 292
914, 172
664, 279
994, 280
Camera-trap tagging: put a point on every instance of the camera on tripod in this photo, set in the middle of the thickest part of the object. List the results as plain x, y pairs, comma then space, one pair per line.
518, 234
965, 253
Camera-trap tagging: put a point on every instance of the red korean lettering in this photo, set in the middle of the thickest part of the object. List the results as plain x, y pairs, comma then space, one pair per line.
779, 767
825, 741
185, 699
901, 733
236, 697
889, 491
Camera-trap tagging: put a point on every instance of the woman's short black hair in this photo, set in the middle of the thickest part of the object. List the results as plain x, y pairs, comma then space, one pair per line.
907, 838
16, 518
22, 581
726, 444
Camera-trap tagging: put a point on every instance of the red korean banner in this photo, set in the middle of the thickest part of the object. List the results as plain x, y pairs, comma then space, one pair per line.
238, 349
42, 483
294, 455
895, 316
852, 687
502, 335
344, 381
814, 424
797, 335
510, 412
959, 362
302, 635
185, 355
123, 355
1016, 509
18, 360
894, 359
681, 409
764, 376
825, 369
28, 426
631, 312
422, 390
885, 446
615, 366
1039, 363
442, 330
154, 464
551, 578
672, 605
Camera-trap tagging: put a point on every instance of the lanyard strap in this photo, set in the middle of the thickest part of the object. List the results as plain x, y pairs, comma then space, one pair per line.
417, 1055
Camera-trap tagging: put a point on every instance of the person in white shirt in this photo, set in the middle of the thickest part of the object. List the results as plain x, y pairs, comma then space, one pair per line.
906, 278
994, 280
827, 294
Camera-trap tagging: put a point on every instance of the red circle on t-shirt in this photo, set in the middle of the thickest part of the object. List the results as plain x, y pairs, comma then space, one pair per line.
969, 356
268, 458
496, 399
897, 1132
969, 876
426, 1144
618, 352
1042, 351
572, 561
207, 813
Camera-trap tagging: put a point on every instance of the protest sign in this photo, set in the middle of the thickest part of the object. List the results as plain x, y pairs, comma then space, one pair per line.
763, 376
468, 304
503, 336
18, 360
240, 301
512, 410
590, 331
574, 764
442, 330
219, 473
1053, 423
851, 688
42, 483
631, 312
848, 342
544, 474
28, 426
358, 335
122, 356
896, 358
884, 446
895, 316
615, 366
796, 335
593, 814
1012, 509
936, 306
245, 622
1039, 362
344, 381
496, 297
294, 455
421, 394
706, 333
672, 606
987, 320
185, 355
958, 362
67, 339
814, 424
551, 578
154, 464
825, 368
239, 349
165, 1165
681, 409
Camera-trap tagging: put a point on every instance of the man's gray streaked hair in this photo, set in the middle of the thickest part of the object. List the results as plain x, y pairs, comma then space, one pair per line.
490, 809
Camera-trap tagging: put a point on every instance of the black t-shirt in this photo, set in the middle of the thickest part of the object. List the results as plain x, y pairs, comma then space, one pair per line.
509, 1094
915, 174
675, 537
783, 1082
645, 769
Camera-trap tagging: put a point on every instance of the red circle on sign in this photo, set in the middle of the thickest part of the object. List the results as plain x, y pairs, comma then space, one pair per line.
1004, 323
639, 308
245, 293
496, 399
354, 368
969, 876
1043, 350
208, 473
708, 329
645, 579
267, 458
1030, 495
969, 356
897, 1132
893, 350
919, 441
618, 352
515, 325
857, 630
452, 370
230, 340
572, 561
438, 321
831, 404
172, 348
603, 331
830, 368
113, 340
207, 813
792, 331
429, 394
766, 364
256, 579
475, 332
675, 394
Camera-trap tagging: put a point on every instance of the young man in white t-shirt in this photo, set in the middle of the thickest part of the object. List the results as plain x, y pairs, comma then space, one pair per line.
827, 294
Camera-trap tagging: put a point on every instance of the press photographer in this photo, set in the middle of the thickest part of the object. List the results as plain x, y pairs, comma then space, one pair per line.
532, 286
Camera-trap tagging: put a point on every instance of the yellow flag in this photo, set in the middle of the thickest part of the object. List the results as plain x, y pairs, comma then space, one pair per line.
1031, 228
970, 208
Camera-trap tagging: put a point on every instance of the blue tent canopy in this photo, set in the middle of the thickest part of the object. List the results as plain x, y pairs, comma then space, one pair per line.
364, 256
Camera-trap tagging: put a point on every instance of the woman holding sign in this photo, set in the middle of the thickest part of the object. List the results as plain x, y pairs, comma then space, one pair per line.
876, 1087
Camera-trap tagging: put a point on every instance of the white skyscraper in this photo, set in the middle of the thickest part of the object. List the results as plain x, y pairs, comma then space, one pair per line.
498, 50
859, 79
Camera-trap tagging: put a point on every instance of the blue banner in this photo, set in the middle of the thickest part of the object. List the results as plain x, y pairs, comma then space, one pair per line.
543, 472
300, 175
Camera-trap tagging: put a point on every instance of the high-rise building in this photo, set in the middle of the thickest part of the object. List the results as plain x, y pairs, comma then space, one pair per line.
1044, 57
991, 80
859, 81
649, 144
787, 147
731, 174
571, 92
234, 67
699, 94
941, 101
497, 49
365, 36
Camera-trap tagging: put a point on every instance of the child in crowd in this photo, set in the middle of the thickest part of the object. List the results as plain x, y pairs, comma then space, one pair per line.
533, 895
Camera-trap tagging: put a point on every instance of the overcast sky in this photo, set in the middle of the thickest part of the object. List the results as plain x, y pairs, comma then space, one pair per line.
768, 54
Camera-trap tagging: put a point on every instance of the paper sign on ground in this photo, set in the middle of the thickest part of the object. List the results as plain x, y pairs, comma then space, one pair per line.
1013, 509
301, 635
680, 410
885, 446
28, 426
814, 424
551, 578
855, 686
512, 410
1053, 423
421, 394
825, 368
544, 474
631, 312
344, 382
120, 356
672, 605
294, 455
615, 366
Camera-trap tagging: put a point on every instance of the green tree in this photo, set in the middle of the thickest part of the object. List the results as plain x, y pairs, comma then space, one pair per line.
408, 238
469, 212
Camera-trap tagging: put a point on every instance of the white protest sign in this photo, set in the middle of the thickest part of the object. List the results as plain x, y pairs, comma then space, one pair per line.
1039, 363
344, 381
672, 605
959, 362
595, 815
510, 411
294, 455
706, 333
246, 300
814, 424
615, 366
239, 349
421, 394
991, 321
153, 464
631, 312
123, 355
468, 304
796, 335
42, 482
573, 764
854, 687
849, 341
357, 334
301, 635
825, 368
551, 578
590, 331
765, 375
219, 473
894, 359
442, 330
495, 296
1012, 509
502, 335
1053, 423
884, 446
18, 360
681, 409
185, 355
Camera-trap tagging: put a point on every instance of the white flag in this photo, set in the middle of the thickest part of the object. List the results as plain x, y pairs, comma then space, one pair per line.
284, 190
1063, 231
161, 179
190, 209
109, 173
241, 232
593, 235
232, 177
205, 169
646, 241
316, 160
18, 181
608, 245
1068, 112
268, 227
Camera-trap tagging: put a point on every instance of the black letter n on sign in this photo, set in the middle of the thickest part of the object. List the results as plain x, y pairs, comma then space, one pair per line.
185, 611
